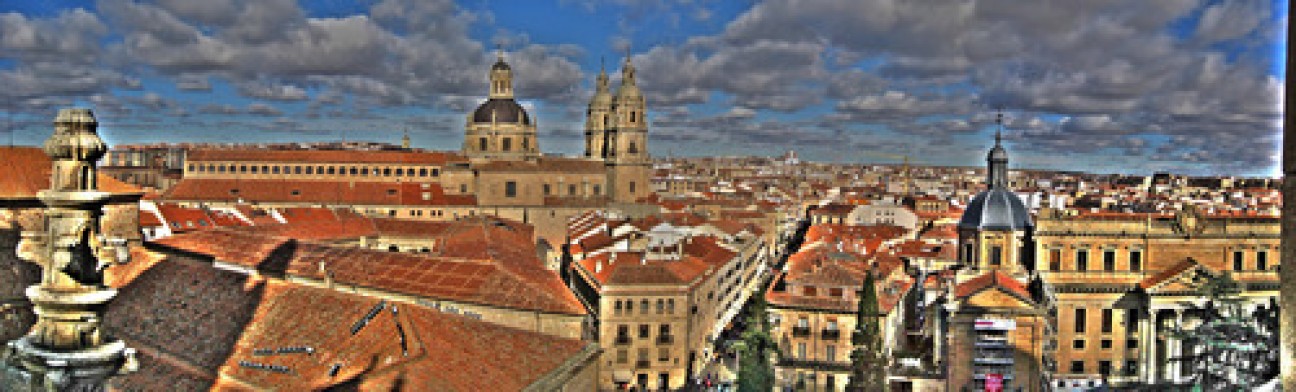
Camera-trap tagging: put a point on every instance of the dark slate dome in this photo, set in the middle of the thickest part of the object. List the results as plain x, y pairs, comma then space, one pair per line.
996, 209
505, 111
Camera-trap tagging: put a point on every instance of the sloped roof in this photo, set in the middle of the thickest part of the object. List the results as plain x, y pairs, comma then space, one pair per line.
317, 192
992, 279
27, 171
511, 280
322, 156
402, 348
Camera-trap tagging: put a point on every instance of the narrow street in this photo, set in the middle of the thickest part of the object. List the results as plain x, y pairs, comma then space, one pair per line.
722, 371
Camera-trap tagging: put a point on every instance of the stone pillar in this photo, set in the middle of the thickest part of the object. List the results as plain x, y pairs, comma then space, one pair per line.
1176, 350
66, 350
1147, 351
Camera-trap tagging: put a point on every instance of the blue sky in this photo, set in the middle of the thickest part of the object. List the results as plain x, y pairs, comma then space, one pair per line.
1191, 86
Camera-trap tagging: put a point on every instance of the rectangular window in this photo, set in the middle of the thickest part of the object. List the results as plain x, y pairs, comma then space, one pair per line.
1136, 260
481, 144
1055, 260
571, 190
830, 353
508, 144
1106, 320
663, 354
1077, 367
643, 331
546, 189
801, 350
622, 356
1237, 260
1082, 260
996, 255
510, 189
632, 187
1105, 344
1078, 344
1079, 320
1131, 344
1262, 260
1109, 260
1104, 368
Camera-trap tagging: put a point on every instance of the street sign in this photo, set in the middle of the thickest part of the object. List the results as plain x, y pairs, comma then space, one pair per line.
994, 382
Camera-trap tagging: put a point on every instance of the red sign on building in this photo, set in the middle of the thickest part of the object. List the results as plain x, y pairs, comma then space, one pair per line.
994, 382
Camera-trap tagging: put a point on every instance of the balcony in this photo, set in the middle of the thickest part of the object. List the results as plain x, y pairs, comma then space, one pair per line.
831, 334
800, 332
993, 360
665, 339
622, 340
791, 362
642, 363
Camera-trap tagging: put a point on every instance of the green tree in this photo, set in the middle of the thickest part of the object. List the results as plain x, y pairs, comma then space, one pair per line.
754, 371
1227, 349
868, 366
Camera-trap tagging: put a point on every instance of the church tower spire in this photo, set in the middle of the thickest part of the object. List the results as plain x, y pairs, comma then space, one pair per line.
626, 143
598, 117
997, 159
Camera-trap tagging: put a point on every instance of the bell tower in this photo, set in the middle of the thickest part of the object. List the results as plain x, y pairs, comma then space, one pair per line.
598, 118
627, 158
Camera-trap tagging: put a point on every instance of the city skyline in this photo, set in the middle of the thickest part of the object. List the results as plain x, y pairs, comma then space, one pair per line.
1189, 87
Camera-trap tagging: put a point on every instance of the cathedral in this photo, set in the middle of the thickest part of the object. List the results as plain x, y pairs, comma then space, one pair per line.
500, 136
499, 170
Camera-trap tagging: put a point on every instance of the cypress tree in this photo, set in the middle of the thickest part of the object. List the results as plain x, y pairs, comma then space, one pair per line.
868, 366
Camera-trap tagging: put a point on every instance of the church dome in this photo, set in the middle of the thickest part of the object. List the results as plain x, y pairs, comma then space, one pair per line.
501, 110
996, 209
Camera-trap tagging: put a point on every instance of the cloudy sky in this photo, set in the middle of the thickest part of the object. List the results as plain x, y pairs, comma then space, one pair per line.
1191, 86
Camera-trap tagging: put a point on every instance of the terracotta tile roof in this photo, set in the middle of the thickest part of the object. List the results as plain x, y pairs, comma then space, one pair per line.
184, 315
316, 192
120, 275
322, 156
439, 352
989, 280
499, 275
149, 219
1167, 274
182, 219
27, 171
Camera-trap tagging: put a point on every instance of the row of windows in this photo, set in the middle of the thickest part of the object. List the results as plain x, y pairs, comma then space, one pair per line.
1105, 367
1107, 315
623, 332
1135, 259
664, 306
506, 144
511, 189
1105, 344
663, 355
829, 353
315, 170
1261, 260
